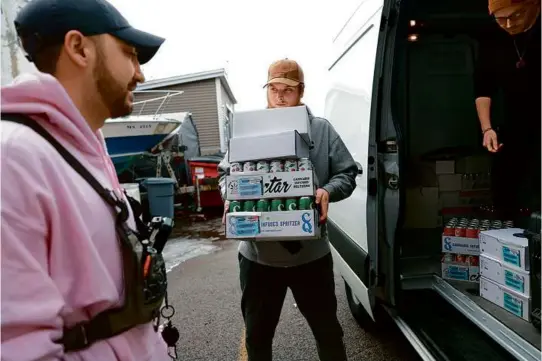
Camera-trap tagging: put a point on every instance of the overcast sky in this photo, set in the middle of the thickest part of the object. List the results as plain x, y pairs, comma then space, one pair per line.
244, 37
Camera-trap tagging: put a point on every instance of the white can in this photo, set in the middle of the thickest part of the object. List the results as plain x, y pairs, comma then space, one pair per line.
262, 166
236, 167
290, 165
304, 164
249, 167
276, 166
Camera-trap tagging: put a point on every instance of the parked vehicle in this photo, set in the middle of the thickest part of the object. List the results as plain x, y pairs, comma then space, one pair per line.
402, 90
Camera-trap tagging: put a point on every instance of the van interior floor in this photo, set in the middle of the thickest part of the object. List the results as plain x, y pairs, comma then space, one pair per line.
421, 258
448, 335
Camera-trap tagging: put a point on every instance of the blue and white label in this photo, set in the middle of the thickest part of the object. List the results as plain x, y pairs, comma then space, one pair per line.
514, 280
511, 256
250, 187
460, 245
244, 226
458, 273
513, 304
306, 218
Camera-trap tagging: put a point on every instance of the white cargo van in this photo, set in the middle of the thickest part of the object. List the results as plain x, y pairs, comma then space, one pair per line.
402, 92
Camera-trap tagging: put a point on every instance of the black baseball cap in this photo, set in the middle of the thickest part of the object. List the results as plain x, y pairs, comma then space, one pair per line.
46, 22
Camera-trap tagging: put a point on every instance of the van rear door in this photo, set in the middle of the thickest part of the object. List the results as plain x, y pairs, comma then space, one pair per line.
351, 107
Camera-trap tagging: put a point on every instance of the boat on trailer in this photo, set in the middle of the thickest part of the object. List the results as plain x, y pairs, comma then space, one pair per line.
129, 137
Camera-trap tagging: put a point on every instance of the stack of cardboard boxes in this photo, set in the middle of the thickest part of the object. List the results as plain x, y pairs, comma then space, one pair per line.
271, 184
463, 183
450, 190
504, 269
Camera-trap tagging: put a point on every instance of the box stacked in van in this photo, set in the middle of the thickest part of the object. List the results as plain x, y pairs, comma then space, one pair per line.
505, 270
271, 185
452, 188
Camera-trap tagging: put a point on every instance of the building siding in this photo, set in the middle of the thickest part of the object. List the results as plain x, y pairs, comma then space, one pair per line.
200, 99
225, 101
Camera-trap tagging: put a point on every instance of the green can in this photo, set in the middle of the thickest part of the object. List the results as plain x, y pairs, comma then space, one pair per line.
277, 205
262, 205
249, 206
235, 206
306, 203
291, 204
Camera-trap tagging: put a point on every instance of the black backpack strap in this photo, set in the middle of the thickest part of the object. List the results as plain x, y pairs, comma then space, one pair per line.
72, 161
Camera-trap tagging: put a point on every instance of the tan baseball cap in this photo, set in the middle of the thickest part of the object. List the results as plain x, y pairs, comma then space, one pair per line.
285, 71
496, 5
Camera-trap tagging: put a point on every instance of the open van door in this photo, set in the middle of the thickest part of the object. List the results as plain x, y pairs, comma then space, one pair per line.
353, 108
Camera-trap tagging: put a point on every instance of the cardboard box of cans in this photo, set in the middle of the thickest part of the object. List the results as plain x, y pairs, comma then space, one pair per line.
271, 200
506, 275
459, 267
460, 236
283, 145
506, 245
262, 122
270, 179
273, 225
512, 301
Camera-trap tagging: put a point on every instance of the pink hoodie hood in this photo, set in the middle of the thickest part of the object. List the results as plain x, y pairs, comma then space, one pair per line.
61, 263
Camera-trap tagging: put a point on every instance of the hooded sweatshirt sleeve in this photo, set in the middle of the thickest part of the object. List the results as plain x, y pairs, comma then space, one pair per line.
31, 302
342, 169
223, 168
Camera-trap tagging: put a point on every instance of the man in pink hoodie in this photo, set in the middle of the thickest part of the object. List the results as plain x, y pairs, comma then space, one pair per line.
61, 261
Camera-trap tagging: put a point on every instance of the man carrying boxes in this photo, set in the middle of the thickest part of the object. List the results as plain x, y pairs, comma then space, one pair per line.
268, 267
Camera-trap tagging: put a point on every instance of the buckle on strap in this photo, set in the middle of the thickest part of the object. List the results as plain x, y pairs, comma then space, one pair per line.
76, 337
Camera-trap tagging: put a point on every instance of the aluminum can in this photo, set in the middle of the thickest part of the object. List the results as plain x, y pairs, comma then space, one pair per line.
509, 224
304, 164
291, 204
235, 206
290, 165
277, 205
460, 258
449, 230
262, 166
249, 167
276, 166
306, 203
448, 258
236, 167
460, 231
472, 232
249, 206
263, 205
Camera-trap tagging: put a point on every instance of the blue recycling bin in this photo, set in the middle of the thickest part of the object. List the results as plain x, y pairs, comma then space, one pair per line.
161, 196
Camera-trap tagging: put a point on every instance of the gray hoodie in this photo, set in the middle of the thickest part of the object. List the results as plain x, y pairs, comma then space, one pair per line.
335, 172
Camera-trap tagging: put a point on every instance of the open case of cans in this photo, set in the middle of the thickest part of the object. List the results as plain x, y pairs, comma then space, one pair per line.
271, 183
272, 199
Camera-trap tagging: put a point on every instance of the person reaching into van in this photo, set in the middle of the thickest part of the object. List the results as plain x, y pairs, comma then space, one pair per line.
268, 269
63, 257
510, 62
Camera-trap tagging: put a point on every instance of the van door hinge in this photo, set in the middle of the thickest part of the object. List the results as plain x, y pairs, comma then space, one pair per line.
388, 146
392, 181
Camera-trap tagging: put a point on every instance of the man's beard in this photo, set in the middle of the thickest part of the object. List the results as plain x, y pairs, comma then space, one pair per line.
113, 95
